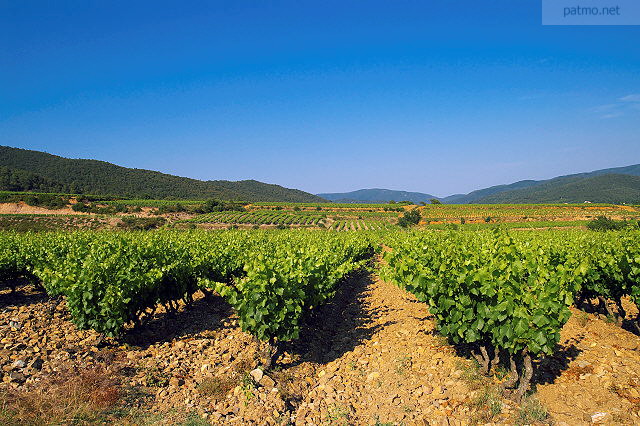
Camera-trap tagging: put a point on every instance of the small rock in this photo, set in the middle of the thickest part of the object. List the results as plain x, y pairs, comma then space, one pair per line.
256, 375
19, 364
599, 417
373, 376
267, 382
17, 376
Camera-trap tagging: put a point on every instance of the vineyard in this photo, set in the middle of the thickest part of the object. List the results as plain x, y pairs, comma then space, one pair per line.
332, 220
112, 279
508, 297
499, 298
266, 217
480, 213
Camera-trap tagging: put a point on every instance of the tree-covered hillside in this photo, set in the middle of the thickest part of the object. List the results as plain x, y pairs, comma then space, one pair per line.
487, 195
26, 170
610, 188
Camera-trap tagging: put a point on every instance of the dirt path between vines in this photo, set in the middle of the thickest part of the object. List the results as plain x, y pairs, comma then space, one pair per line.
398, 372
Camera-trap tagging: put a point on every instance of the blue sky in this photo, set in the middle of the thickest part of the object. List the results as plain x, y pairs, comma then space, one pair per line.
433, 96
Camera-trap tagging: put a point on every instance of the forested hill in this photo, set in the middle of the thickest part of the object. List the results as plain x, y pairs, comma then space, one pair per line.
558, 189
26, 170
609, 188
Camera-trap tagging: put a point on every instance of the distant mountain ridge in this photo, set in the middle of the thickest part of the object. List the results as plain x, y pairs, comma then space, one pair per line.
612, 185
27, 170
608, 188
483, 196
376, 195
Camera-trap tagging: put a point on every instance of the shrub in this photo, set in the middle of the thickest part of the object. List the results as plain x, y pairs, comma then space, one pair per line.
603, 223
214, 205
141, 223
80, 207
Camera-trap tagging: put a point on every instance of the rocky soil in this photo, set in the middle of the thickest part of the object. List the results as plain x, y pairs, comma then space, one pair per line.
369, 357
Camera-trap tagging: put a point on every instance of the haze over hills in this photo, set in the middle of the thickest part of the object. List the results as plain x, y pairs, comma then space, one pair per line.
613, 185
26, 170
377, 195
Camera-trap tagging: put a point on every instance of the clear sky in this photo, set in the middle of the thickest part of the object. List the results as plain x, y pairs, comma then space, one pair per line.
325, 96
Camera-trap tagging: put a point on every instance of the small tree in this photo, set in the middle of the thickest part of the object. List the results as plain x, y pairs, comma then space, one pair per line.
409, 218
211, 205
435, 201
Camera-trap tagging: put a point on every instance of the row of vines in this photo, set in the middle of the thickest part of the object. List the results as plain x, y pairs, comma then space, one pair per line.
505, 298
113, 279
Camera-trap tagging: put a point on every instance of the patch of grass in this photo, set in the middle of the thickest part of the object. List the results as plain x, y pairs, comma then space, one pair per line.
155, 378
194, 419
402, 364
379, 423
69, 397
531, 411
610, 319
243, 366
291, 385
471, 374
215, 387
488, 404
583, 319
440, 340
338, 414
135, 416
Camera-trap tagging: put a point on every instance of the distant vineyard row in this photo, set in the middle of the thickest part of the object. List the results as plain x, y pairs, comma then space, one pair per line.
364, 221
